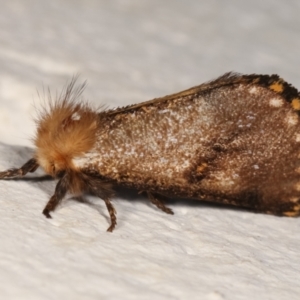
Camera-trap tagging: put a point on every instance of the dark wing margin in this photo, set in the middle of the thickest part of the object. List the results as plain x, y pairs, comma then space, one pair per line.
272, 82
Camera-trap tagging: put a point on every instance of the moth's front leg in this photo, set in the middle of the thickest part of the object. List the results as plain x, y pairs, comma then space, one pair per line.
60, 192
30, 166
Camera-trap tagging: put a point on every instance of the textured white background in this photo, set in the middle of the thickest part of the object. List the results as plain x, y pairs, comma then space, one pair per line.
131, 51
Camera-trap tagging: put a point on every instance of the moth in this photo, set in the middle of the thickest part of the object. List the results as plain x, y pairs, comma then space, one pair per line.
234, 140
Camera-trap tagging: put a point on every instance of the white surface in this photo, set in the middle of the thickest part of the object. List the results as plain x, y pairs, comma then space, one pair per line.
131, 51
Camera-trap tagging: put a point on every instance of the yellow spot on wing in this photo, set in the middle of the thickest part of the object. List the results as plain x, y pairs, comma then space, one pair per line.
296, 103
276, 87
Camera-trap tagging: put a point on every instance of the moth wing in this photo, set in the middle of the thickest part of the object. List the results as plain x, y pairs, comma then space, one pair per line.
226, 79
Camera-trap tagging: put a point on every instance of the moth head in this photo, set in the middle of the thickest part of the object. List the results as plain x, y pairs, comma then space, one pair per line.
65, 129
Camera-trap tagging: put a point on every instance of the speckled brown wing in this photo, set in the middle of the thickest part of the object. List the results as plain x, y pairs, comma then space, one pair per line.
233, 140
273, 82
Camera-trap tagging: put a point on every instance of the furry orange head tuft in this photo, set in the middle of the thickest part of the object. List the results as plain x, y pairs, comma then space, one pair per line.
65, 130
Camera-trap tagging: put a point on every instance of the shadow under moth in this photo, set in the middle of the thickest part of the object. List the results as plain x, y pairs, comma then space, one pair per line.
234, 140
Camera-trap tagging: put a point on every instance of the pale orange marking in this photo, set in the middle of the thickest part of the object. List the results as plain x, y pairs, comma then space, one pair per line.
276, 87
296, 103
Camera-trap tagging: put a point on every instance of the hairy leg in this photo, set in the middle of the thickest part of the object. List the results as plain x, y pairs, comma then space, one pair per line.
104, 191
30, 166
157, 202
112, 213
60, 191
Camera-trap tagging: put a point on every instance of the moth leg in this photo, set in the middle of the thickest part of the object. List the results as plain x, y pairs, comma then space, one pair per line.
112, 214
60, 191
30, 166
157, 202
104, 191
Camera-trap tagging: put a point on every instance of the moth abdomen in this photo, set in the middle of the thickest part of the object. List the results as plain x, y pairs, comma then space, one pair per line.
234, 140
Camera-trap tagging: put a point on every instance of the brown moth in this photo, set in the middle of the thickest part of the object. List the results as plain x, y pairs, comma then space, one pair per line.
234, 140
